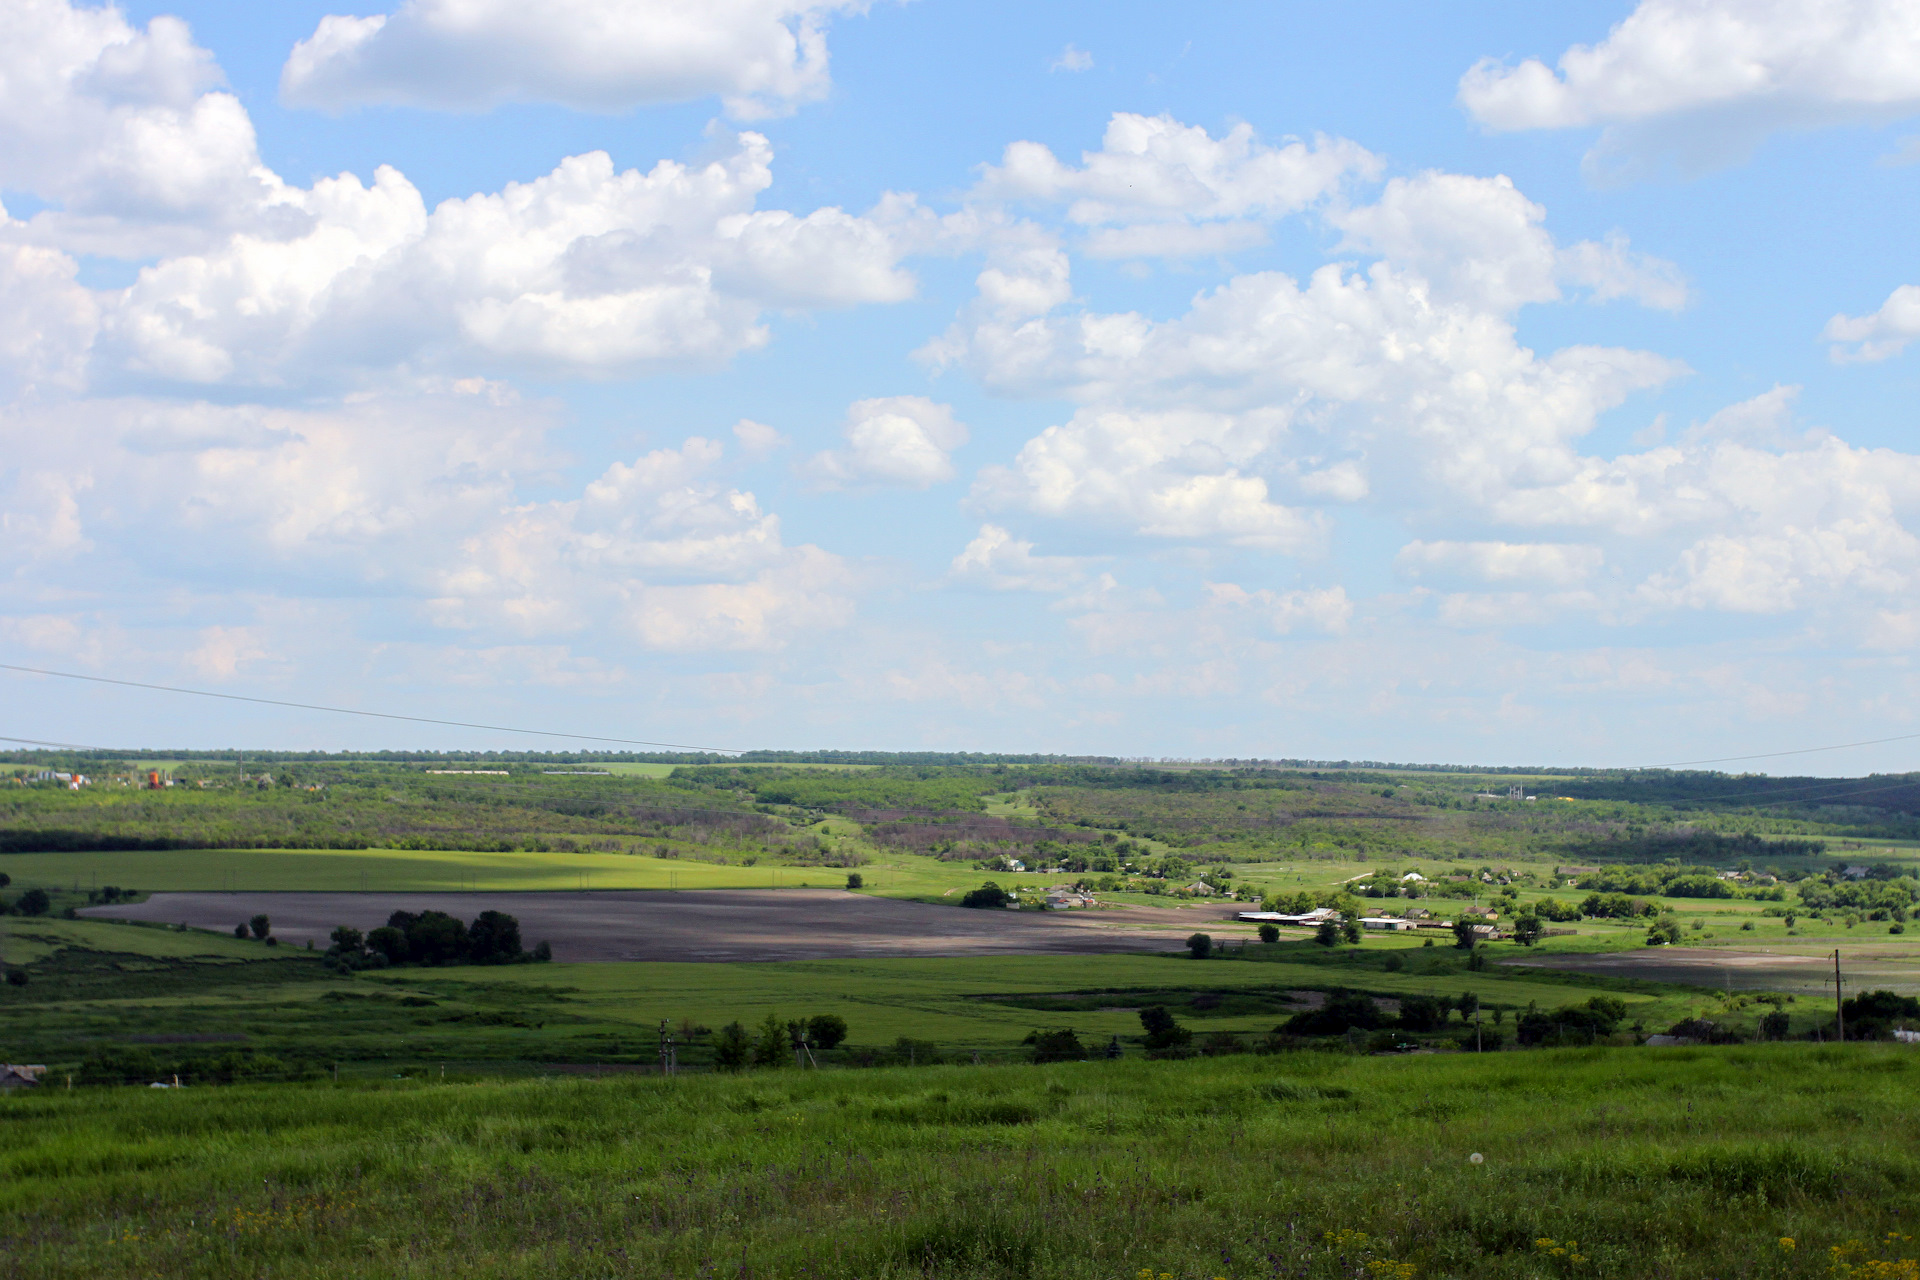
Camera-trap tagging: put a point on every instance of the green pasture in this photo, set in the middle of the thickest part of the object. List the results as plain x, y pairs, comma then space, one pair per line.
1757, 1162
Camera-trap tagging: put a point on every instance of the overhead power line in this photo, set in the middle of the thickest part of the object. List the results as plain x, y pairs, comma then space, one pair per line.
1774, 755
351, 711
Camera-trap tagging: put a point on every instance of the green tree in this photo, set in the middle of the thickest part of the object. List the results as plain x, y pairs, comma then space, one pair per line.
1269, 933
261, 926
987, 895
347, 941
1663, 931
1468, 1004
493, 938
773, 1047
1350, 930
1200, 945
1328, 934
240, 930
732, 1047
1163, 1032
826, 1030
34, 902
1463, 934
389, 942
1057, 1046
854, 881
1527, 930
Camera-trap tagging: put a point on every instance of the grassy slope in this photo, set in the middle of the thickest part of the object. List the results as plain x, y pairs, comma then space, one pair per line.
1679, 1164
115, 981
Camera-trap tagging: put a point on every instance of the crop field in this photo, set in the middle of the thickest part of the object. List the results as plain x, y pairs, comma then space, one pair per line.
1774, 1161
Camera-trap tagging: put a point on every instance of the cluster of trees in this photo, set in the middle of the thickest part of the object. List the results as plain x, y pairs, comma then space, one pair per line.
134, 1065
1674, 881
432, 938
777, 1043
1573, 1024
34, 902
1345, 1011
1867, 895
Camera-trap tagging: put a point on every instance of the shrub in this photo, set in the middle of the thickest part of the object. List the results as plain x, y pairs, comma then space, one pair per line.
1343, 1011
1200, 945
16, 977
827, 1030
1163, 1033
732, 1047
261, 926
987, 895
542, 952
493, 938
1057, 1046
1663, 931
240, 930
1421, 1013
389, 942
1328, 934
854, 881
34, 902
1269, 933
1527, 930
773, 1044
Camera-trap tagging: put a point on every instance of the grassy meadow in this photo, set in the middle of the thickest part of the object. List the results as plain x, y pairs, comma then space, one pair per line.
1775, 1161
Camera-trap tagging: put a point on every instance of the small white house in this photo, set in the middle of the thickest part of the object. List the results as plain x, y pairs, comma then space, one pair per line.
1391, 924
1412, 877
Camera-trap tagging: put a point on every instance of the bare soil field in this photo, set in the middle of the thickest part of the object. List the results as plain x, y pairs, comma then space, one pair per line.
732, 924
1800, 972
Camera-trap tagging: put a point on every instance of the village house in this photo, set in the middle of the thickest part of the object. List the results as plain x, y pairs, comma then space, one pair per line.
17, 1075
1201, 889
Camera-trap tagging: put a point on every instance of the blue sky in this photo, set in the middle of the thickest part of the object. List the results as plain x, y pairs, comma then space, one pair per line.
1500, 383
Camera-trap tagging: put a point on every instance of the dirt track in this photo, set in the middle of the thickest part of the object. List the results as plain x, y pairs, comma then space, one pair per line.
1741, 970
734, 924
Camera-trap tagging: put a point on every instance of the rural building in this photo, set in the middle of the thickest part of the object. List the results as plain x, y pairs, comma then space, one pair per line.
1483, 913
1392, 924
16, 1075
1306, 920
1417, 913
1412, 877
1201, 889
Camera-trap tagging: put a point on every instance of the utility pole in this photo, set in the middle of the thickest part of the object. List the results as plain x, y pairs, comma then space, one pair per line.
1839, 1013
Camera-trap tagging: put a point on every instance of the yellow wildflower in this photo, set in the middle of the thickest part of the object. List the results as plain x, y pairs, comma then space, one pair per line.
1786, 1242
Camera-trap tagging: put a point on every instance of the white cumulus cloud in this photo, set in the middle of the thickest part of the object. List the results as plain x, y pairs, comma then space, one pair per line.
761, 56
1726, 71
906, 441
1884, 333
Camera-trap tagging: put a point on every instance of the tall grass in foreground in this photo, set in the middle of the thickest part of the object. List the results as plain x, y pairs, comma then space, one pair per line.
1732, 1162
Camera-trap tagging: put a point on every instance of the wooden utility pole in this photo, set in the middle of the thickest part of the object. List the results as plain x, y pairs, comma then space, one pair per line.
1839, 1013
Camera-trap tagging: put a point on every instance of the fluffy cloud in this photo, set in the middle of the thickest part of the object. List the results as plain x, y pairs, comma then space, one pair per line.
1884, 333
657, 549
893, 440
1536, 563
1326, 609
762, 56
585, 270
1479, 241
1731, 69
122, 131
1154, 169
997, 559
1168, 475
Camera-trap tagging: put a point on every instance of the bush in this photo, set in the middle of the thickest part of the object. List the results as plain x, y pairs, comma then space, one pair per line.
1057, 1046
240, 930
1663, 931
987, 895
1328, 934
261, 926
732, 1047
826, 1030
389, 942
34, 902
493, 938
16, 977
1575, 1024
1527, 930
774, 1043
1343, 1011
1200, 945
1421, 1013
1269, 933
542, 952
1163, 1033
854, 881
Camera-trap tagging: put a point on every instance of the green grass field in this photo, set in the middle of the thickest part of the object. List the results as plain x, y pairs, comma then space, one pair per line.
1755, 1162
